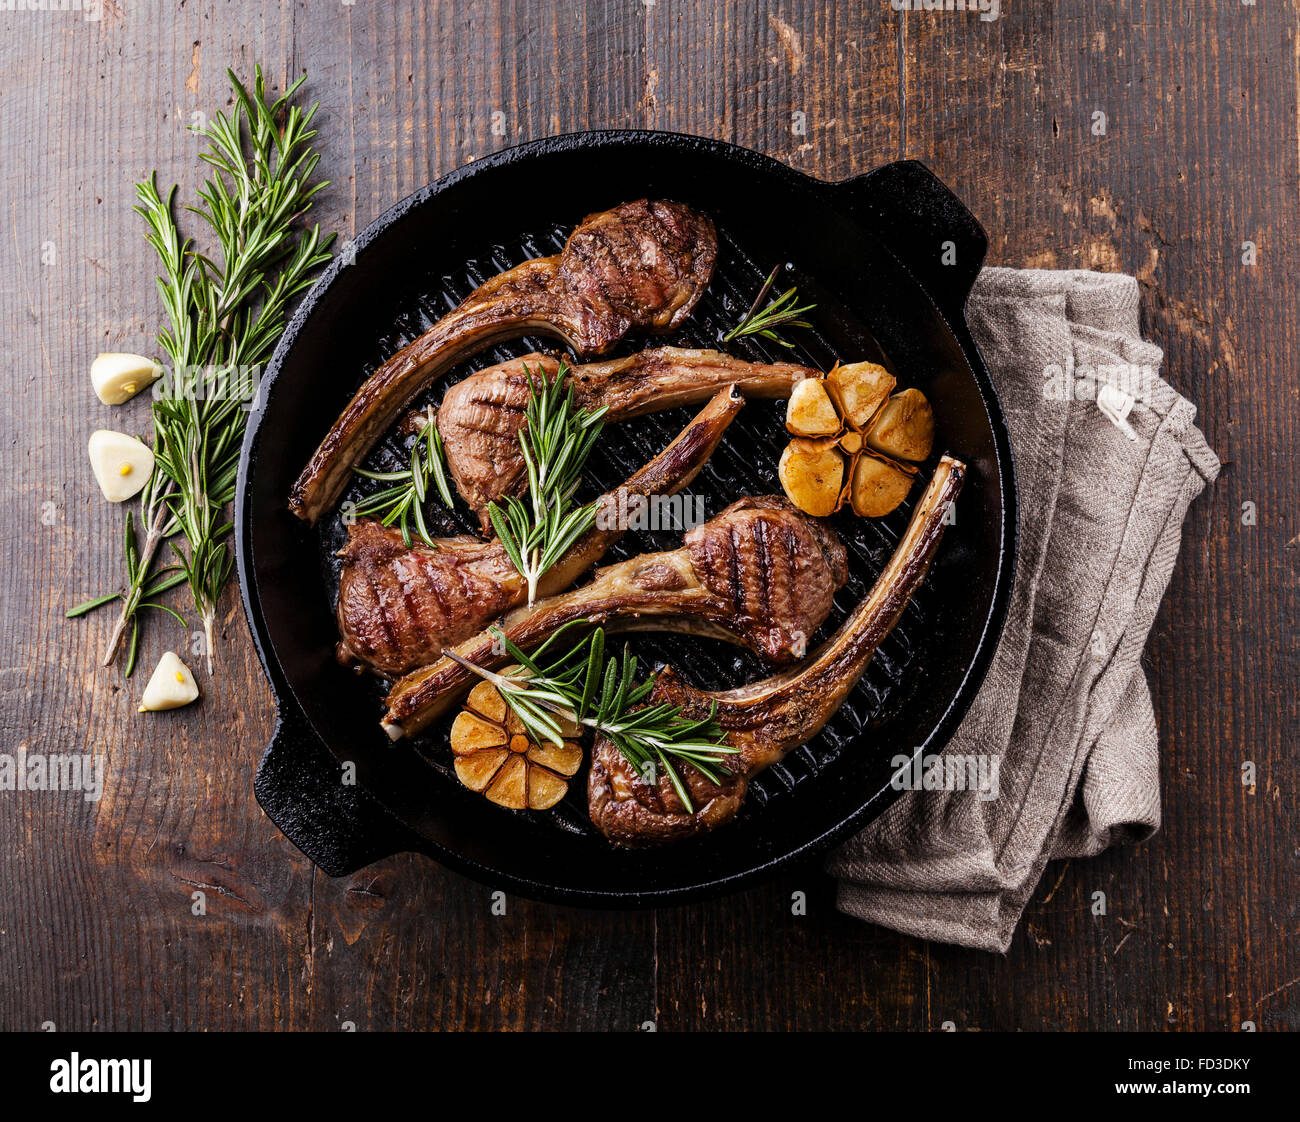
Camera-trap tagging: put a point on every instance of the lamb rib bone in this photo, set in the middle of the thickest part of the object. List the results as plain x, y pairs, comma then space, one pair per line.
765, 720
481, 416
641, 265
399, 606
760, 574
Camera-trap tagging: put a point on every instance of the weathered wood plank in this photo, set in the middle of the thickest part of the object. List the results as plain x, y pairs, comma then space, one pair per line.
1200, 155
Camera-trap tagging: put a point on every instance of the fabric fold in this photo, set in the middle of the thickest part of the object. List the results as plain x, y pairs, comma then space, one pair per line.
1108, 459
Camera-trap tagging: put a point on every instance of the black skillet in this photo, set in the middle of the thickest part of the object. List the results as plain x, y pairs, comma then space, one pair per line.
889, 257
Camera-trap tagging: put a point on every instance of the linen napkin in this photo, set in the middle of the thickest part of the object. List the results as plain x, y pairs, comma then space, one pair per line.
1107, 462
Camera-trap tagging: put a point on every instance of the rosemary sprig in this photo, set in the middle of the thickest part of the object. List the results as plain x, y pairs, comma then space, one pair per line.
142, 587
581, 685
225, 313
781, 312
556, 440
405, 498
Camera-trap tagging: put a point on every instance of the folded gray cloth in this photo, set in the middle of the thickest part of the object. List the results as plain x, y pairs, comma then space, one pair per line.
1107, 461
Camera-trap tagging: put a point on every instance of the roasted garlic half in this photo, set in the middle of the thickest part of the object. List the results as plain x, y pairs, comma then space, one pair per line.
851, 440
496, 757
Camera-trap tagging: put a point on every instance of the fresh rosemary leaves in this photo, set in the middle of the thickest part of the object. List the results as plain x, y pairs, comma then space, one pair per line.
140, 587
781, 312
556, 440
405, 498
225, 313
581, 685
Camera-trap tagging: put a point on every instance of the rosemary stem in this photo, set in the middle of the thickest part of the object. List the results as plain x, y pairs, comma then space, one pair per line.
758, 301
209, 618
534, 574
131, 600
501, 682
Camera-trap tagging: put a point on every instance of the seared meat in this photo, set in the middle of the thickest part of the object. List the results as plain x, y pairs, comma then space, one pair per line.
766, 719
480, 416
398, 606
761, 574
641, 265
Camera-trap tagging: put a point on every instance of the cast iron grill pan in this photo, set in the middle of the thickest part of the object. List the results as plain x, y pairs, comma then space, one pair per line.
923, 674
743, 464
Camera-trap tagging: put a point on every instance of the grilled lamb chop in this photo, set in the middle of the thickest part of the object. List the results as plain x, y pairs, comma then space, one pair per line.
761, 574
767, 719
641, 265
399, 606
481, 415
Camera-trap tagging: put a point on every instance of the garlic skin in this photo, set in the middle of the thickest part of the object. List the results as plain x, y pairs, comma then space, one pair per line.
171, 686
119, 377
122, 464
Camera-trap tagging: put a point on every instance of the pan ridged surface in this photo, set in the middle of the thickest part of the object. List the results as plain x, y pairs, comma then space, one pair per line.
744, 463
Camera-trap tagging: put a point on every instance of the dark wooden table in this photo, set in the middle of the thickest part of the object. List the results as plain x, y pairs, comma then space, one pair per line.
1199, 155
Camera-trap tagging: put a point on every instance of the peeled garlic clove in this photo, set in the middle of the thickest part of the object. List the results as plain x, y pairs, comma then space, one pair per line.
878, 486
810, 411
122, 464
119, 377
904, 427
171, 686
860, 389
812, 475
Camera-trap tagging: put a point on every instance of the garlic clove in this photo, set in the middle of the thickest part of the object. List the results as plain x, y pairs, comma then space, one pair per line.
564, 761
485, 699
812, 475
478, 769
544, 789
904, 427
119, 377
121, 463
470, 733
810, 411
510, 787
171, 686
859, 389
878, 485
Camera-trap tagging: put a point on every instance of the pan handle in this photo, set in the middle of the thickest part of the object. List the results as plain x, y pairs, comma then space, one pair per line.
302, 788
923, 224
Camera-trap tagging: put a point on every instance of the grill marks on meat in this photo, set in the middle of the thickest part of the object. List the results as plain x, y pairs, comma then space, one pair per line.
642, 265
766, 577
764, 720
479, 421
772, 572
481, 416
398, 607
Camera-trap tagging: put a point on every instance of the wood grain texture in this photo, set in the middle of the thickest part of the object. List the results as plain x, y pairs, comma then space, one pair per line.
1199, 156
